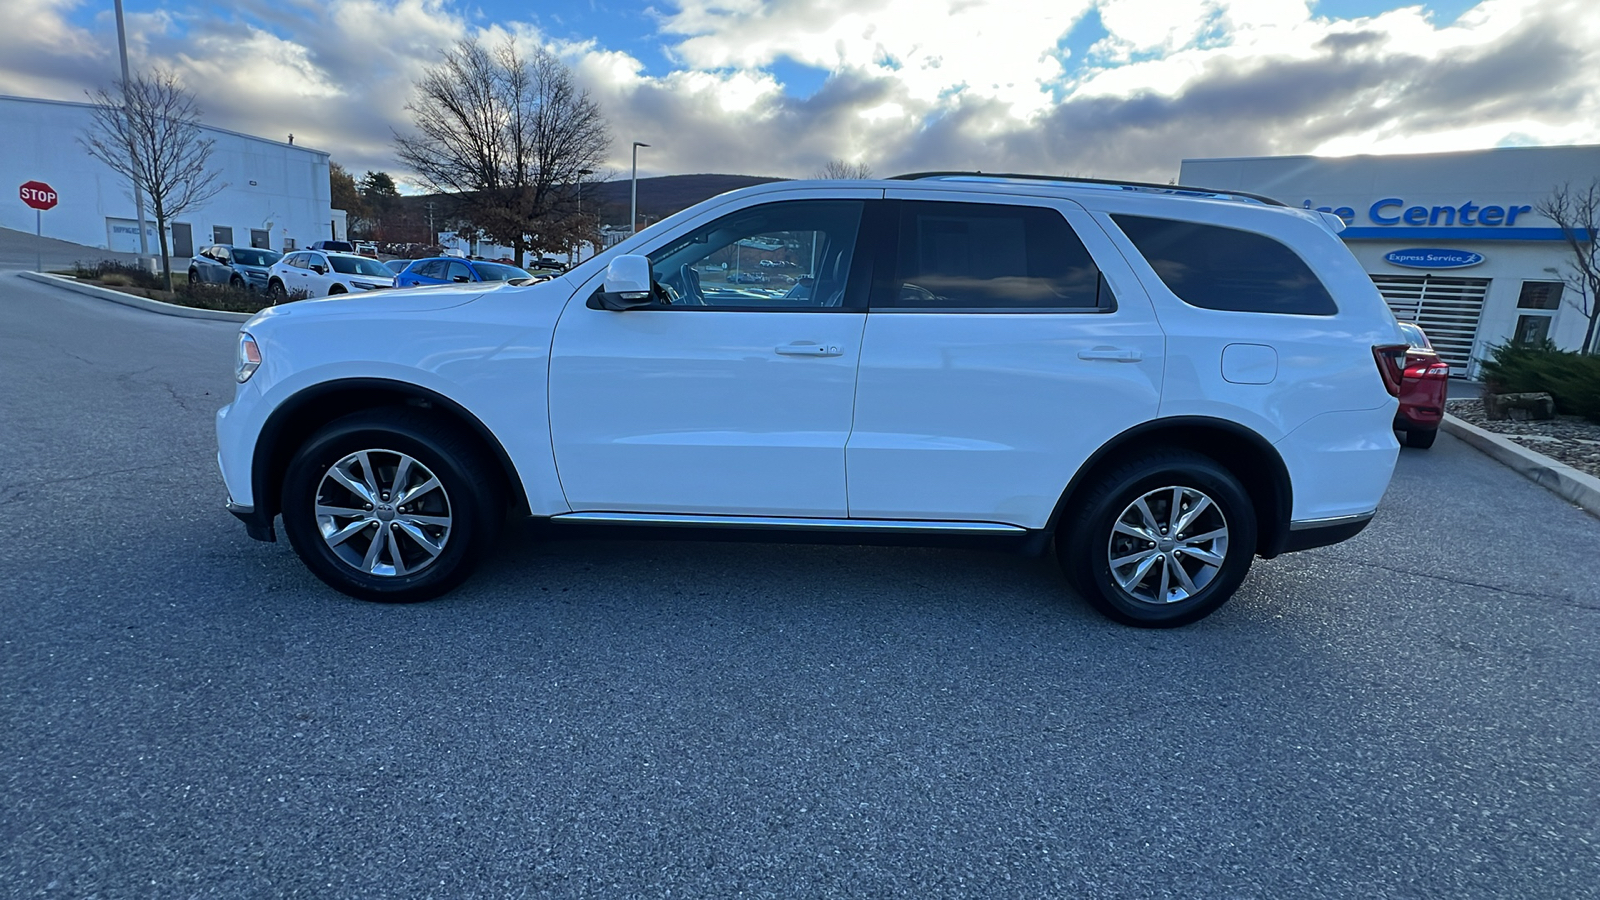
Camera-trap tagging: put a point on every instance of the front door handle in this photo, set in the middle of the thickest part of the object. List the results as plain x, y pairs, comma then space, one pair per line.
807, 350
1115, 354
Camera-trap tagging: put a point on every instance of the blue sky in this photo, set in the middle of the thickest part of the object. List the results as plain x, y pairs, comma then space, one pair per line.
1118, 88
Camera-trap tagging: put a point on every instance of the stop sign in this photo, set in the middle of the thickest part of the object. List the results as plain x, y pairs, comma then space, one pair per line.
37, 194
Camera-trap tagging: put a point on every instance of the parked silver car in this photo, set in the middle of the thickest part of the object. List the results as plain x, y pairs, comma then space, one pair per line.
241, 267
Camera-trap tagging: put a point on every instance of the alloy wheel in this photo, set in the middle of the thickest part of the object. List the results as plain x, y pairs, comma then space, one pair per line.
1167, 545
383, 513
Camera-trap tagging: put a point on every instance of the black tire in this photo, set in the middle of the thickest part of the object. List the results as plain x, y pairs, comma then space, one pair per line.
194, 276
276, 291
236, 283
1421, 440
472, 497
1086, 546
336, 289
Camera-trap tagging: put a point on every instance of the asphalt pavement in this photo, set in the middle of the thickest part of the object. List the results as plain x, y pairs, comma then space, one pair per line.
185, 712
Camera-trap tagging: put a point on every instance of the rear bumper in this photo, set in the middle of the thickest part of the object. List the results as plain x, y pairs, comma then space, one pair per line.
256, 525
1418, 418
1308, 534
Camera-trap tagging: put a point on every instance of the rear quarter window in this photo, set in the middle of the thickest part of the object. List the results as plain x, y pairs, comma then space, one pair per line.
1214, 267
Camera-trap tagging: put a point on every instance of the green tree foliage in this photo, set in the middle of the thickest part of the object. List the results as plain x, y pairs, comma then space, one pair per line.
344, 193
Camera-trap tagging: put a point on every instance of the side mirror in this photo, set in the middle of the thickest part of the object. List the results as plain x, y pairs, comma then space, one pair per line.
319, 268
626, 286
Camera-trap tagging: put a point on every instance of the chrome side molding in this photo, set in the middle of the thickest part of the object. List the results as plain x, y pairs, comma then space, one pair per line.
779, 523
1330, 522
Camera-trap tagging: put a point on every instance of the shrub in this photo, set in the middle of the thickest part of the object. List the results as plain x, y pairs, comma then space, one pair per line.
220, 296
1572, 379
118, 273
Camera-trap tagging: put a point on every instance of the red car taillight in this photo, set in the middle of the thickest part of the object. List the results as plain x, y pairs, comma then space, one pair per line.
1391, 359
1437, 368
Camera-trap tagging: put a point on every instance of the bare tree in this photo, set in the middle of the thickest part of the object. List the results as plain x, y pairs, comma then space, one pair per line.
841, 170
512, 136
1577, 212
148, 131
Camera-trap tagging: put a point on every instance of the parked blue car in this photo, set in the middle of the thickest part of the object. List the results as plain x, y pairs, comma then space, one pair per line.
241, 267
452, 270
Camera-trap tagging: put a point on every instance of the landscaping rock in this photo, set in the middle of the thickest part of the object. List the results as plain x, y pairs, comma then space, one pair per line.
1567, 439
1519, 407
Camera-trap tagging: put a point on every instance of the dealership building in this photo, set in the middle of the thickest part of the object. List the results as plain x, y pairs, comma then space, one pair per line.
1454, 241
277, 194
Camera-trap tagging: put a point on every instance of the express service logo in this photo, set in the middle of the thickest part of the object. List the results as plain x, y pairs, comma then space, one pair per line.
1433, 258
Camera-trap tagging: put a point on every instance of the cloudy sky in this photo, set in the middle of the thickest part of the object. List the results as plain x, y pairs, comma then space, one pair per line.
1109, 88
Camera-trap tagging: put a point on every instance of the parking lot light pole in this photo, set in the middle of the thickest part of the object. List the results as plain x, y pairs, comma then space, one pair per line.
138, 190
633, 212
573, 259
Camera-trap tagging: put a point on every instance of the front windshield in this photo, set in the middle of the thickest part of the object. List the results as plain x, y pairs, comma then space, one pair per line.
359, 265
499, 272
246, 256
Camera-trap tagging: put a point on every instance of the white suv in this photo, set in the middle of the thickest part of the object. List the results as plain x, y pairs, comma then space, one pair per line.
1158, 382
318, 273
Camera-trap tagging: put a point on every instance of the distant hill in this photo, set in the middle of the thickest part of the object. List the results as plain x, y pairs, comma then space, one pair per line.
658, 198
661, 197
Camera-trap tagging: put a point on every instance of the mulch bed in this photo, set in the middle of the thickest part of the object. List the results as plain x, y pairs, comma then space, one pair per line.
1567, 439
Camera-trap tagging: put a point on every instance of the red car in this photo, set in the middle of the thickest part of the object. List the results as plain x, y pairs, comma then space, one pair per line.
1423, 384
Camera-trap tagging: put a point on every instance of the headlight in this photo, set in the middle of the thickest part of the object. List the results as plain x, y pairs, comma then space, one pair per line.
249, 359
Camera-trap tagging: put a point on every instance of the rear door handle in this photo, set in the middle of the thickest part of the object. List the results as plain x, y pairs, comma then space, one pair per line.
807, 350
1112, 353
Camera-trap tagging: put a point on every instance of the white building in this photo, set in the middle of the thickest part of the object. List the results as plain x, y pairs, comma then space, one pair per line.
277, 194
1453, 240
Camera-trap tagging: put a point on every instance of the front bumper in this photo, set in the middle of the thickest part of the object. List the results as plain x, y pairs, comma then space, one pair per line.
256, 525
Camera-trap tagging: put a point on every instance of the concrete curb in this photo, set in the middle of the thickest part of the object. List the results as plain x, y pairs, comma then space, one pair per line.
144, 303
1561, 479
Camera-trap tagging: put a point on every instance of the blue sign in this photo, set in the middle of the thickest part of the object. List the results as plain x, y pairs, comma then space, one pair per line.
1429, 258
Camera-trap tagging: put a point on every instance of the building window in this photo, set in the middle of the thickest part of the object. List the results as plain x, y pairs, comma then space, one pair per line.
259, 239
1540, 295
221, 234
1531, 331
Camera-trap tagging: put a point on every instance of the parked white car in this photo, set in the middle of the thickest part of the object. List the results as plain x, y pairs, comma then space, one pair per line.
317, 273
1155, 383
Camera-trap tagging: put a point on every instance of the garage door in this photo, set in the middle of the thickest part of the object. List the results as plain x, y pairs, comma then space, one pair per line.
1448, 309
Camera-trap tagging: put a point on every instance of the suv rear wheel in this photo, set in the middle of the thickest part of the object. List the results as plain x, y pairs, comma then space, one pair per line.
1162, 540
389, 505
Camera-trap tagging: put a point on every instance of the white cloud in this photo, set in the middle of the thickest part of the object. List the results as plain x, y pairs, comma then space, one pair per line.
911, 83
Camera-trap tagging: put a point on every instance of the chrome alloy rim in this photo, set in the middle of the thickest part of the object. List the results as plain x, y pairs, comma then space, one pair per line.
383, 513
1168, 545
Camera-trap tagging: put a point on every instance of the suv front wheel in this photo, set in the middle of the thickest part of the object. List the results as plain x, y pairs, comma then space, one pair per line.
1162, 540
390, 505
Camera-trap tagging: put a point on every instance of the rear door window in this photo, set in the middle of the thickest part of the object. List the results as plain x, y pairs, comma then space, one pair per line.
1213, 267
982, 257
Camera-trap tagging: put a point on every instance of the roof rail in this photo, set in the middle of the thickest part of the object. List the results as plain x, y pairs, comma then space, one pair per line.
1066, 179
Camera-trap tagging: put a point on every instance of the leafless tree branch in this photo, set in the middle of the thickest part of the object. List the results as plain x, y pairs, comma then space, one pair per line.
838, 169
1577, 212
148, 132
512, 136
